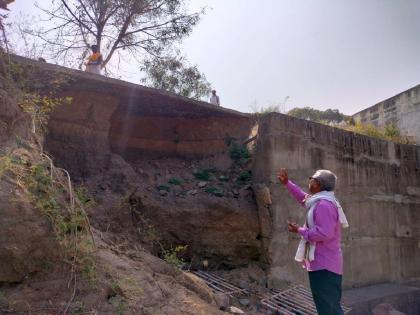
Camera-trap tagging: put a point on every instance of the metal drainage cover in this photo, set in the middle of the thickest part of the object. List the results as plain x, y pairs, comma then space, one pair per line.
294, 301
219, 284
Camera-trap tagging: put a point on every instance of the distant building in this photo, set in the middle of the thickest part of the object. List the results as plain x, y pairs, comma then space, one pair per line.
402, 110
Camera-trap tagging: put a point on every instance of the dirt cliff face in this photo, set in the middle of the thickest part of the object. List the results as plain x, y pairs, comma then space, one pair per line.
26, 241
121, 139
37, 275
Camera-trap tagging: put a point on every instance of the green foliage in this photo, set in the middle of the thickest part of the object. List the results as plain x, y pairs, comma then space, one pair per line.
23, 143
164, 187
174, 74
174, 181
118, 302
245, 176
238, 153
214, 191
327, 116
44, 188
123, 285
389, 133
78, 308
203, 175
88, 266
171, 255
84, 197
38, 104
211, 190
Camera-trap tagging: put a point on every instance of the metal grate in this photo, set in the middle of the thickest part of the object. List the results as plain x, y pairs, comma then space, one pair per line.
219, 284
294, 301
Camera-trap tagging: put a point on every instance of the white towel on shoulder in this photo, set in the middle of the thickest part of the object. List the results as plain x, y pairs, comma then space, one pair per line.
306, 250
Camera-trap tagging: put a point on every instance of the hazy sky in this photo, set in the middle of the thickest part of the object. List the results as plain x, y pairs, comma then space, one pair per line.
345, 54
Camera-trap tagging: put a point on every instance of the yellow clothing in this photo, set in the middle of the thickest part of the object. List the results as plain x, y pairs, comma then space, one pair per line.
95, 58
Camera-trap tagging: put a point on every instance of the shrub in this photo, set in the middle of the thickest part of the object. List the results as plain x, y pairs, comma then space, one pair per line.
238, 153
389, 133
171, 255
174, 181
203, 175
164, 187
245, 176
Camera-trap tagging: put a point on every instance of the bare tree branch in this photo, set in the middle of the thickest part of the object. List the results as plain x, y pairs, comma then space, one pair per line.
136, 26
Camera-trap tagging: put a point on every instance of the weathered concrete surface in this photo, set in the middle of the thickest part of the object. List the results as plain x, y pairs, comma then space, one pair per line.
363, 301
402, 110
378, 186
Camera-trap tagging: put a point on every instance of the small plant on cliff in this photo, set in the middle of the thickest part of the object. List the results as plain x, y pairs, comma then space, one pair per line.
84, 197
202, 175
119, 303
164, 188
244, 176
37, 101
50, 190
174, 181
238, 153
171, 255
214, 191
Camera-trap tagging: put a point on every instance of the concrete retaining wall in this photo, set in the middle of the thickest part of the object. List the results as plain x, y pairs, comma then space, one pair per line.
378, 186
402, 110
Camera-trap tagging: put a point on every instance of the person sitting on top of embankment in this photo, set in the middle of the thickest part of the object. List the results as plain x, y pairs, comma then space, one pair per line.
94, 62
319, 249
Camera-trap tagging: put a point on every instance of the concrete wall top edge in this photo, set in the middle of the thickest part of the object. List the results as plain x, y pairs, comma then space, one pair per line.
391, 99
322, 134
170, 104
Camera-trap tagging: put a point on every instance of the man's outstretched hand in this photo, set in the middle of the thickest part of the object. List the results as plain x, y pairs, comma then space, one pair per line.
282, 176
292, 226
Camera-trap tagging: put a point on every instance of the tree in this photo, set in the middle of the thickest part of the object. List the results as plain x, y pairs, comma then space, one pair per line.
176, 75
329, 115
3, 6
135, 26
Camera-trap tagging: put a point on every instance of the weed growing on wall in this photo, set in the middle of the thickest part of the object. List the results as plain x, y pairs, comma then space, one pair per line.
37, 101
389, 133
238, 153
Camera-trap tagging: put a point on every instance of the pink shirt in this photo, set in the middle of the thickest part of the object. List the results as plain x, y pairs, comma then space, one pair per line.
326, 233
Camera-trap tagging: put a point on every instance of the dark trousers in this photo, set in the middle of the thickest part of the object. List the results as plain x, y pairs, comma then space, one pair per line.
326, 291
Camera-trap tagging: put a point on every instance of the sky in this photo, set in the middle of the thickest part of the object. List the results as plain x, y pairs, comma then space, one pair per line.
341, 54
